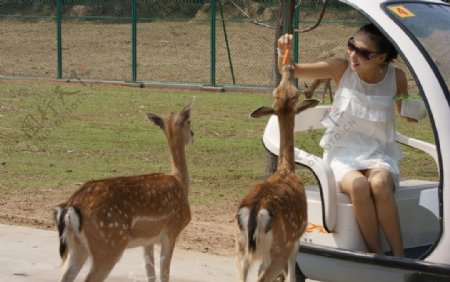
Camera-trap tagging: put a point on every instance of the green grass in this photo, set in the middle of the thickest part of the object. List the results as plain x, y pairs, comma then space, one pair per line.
106, 134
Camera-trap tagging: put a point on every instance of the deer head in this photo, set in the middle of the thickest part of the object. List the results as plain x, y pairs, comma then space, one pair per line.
172, 123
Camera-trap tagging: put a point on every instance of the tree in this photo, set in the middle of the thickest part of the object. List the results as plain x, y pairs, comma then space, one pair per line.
284, 25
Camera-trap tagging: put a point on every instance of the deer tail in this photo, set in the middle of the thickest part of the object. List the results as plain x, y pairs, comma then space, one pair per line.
67, 219
253, 222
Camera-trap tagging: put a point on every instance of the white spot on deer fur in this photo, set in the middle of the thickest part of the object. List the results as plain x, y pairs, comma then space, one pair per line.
110, 225
101, 223
116, 224
109, 214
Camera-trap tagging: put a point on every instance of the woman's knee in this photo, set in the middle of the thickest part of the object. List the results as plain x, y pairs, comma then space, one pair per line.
381, 184
357, 186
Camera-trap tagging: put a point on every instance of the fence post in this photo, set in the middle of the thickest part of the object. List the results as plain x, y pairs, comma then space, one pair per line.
133, 41
58, 39
212, 80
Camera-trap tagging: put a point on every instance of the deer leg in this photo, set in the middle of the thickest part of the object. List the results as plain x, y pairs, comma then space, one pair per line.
324, 91
102, 265
328, 85
77, 257
242, 266
275, 266
149, 257
290, 277
167, 247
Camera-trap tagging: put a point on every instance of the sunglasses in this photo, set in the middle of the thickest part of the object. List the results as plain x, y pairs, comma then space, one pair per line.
363, 53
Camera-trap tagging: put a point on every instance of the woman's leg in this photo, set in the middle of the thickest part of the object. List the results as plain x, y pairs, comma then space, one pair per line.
382, 187
356, 186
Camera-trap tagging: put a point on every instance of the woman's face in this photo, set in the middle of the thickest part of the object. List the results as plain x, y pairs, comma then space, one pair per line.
363, 52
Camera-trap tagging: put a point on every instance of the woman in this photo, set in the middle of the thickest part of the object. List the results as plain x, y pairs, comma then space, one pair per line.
359, 141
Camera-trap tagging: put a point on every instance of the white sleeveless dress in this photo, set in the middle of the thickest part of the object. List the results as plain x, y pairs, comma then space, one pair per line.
360, 128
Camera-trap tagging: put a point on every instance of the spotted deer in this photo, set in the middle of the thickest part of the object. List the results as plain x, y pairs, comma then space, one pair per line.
309, 91
104, 217
272, 216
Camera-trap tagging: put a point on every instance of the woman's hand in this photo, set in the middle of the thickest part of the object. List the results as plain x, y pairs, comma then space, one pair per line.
284, 42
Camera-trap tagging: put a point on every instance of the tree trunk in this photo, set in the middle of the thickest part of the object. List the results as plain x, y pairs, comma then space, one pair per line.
284, 25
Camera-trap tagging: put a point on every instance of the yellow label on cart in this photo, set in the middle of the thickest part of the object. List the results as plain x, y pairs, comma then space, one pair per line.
402, 12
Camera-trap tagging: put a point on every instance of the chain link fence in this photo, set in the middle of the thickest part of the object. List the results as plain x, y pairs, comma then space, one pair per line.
208, 42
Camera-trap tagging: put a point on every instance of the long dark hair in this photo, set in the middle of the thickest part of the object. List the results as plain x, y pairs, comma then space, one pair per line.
383, 44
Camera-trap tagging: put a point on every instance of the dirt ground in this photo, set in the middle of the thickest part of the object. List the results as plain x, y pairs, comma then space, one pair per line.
210, 231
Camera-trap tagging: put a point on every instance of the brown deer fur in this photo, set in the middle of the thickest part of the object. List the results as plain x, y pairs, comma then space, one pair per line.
273, 215
309, 91
104, 217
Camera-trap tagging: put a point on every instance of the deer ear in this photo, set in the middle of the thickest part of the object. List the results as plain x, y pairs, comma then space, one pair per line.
262, 111
306, 104
156, 120
185, 113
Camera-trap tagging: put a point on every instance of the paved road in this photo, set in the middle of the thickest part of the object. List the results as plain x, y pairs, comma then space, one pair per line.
28, 254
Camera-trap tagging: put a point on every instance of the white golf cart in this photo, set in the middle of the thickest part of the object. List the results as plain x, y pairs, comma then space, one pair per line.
332, 249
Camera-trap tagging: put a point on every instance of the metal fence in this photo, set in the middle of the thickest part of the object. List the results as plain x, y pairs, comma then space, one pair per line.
208, 42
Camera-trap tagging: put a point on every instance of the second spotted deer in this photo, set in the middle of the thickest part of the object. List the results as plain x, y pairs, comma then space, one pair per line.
273, 215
